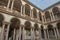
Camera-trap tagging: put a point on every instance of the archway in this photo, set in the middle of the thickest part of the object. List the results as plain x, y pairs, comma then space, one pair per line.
28, 28
42, 32
36, 31
51, 31
14, 26
58, 26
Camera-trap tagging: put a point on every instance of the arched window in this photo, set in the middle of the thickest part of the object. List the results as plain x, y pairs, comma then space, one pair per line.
58, 26
34, 13
17, 5
47, 15
51, 31
40, 16
3, 2
27, 9
15, 24
28, 28
56, 11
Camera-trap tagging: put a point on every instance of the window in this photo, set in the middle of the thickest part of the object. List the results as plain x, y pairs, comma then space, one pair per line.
47, 16
27, 10
56, 12
34, 13
17, 5
4, 3
40, 16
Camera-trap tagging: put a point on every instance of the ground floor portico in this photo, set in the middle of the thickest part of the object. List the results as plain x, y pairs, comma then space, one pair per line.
24, 33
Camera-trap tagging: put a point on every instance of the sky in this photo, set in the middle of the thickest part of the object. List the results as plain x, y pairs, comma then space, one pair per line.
43, 4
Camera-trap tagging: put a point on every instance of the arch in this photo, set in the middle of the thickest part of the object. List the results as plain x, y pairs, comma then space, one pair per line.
47, 15
36, 29
40, 16
1, 20
28, 28
27, 25
27, 9
50, 26
56, 11
42, 31
34, 13
51, 31
36, 26
58, 26
15, 24
17, 5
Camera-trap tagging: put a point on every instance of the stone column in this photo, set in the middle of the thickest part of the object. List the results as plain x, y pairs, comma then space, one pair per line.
14, 37
17, 34
37, 16
8, 4
45, 18
20, 33
2, 33
7, 31
55, 33
24, 10
45, 34
30, 13
12, 4
42, 18
40, 38
31, 34
53, 16
48, 34
23, 34
21, 10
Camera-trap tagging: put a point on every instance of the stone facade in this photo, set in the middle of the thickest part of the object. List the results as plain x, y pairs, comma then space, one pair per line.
21, 20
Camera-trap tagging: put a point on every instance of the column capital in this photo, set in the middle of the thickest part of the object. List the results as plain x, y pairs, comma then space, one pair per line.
45, 27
